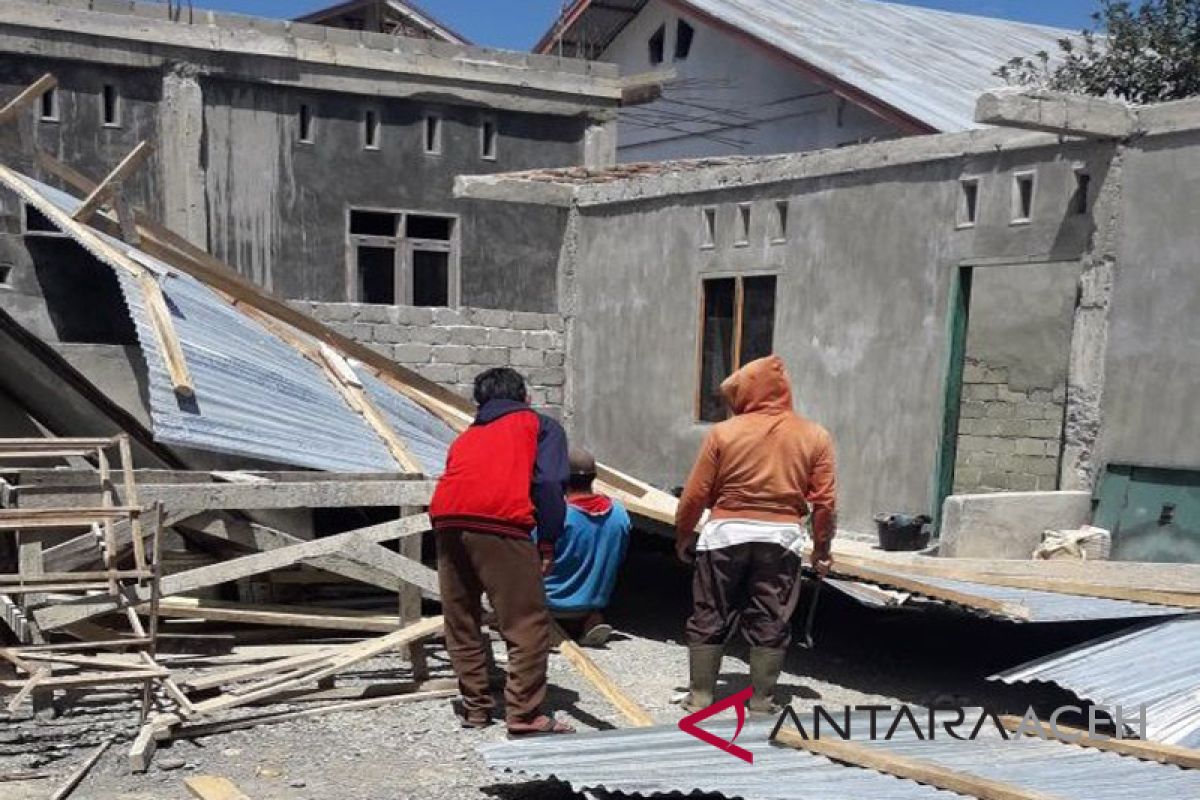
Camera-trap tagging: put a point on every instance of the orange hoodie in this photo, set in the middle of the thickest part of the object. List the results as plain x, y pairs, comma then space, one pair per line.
766, 463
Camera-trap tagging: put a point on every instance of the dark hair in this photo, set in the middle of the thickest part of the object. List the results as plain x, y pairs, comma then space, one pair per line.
499, 383
581, 481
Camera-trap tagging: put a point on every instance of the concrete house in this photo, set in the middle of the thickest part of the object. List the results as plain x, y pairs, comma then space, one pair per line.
967, 312
754, 78
318, 160
385, 16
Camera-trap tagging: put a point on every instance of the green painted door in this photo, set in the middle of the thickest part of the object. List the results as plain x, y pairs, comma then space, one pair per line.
1154, 514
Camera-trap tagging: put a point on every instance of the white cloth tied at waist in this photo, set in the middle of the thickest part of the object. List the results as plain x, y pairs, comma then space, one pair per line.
719, 533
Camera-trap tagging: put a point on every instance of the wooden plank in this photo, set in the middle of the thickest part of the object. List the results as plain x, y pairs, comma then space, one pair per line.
27, 97
165, 334
212, 787
224, 677
633, 713
907, 584
279, 616
106, 644
54, 617
77, 681
106, 187
912, 769
1185, 597
212, 728
201, 497
17, 777
82, 771
1185, 757
26, 688
347, 657
67, 577
39, 518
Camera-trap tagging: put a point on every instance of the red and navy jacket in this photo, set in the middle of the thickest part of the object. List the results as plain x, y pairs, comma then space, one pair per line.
505, 475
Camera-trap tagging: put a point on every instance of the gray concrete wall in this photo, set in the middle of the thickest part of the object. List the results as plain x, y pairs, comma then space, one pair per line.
452, 346
1152, 374
864, 287
277, 207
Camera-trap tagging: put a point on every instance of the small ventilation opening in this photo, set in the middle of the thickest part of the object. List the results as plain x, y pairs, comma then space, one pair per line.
781, 221
658, 42
969, 206
743, 224
371, 130
49, 105
710, 227
488, 140
110, 106
306, 123
433, 135
6, 274
684, 34
1083, 187
1023, 198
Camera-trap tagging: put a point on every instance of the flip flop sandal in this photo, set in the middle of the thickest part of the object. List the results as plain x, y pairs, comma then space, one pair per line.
472, 720
597, 635
546, 726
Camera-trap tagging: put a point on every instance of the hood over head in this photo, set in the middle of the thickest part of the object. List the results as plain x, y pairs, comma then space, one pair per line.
762, 386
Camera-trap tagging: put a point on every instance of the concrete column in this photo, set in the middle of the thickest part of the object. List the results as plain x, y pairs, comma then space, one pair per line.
180, 154
1082, 461
600, 144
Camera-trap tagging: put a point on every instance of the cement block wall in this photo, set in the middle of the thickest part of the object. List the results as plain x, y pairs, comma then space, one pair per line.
452, 346
1010, 439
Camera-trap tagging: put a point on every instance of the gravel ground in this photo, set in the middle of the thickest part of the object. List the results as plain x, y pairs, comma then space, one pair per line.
418, 751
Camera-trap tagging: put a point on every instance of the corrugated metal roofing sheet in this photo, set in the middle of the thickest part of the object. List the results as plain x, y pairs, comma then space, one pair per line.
664, 760
256, 395
1157, 665
931, 65
1040, 606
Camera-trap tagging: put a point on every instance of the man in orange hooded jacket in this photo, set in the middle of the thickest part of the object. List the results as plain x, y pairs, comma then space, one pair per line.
762, 472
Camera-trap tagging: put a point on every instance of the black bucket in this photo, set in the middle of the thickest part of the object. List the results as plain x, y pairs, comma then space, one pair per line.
903, 531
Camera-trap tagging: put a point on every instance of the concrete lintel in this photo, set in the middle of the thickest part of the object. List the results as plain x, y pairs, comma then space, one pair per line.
469, 66
1057, 112
513, 190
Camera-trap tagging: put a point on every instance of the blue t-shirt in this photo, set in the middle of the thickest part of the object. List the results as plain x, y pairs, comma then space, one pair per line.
587, 557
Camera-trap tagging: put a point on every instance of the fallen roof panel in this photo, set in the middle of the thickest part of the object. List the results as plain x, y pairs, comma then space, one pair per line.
255, 395
664, 760
1040, 606
1155, 665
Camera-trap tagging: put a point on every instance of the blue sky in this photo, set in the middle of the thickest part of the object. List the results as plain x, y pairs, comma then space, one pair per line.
517, 24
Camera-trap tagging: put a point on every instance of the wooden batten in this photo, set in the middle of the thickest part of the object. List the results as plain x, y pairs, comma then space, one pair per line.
27, 97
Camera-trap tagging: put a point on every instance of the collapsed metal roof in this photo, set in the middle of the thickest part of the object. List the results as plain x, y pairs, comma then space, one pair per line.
255, 394
1033, 605
928, 65
1156, 665
664, 760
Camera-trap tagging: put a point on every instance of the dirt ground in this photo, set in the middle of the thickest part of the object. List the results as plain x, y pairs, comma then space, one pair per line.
418, 751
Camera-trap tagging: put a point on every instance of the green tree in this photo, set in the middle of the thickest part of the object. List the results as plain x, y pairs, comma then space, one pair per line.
1146, 52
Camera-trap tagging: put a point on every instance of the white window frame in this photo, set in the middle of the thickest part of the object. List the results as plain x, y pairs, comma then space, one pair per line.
439, 129
964, 217
55, 114
369, 129
745, 218
311, 137
404, 248
484, 143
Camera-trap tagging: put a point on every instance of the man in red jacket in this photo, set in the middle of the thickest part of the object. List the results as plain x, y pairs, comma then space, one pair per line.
504, 476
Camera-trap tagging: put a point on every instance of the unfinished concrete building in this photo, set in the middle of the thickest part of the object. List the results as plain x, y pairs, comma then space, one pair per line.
988, 310
318, 159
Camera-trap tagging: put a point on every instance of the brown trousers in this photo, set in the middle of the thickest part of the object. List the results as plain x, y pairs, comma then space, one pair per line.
753, 586
508, 570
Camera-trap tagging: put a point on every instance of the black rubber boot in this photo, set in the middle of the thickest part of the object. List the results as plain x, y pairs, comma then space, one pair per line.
704, 664
765, 666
